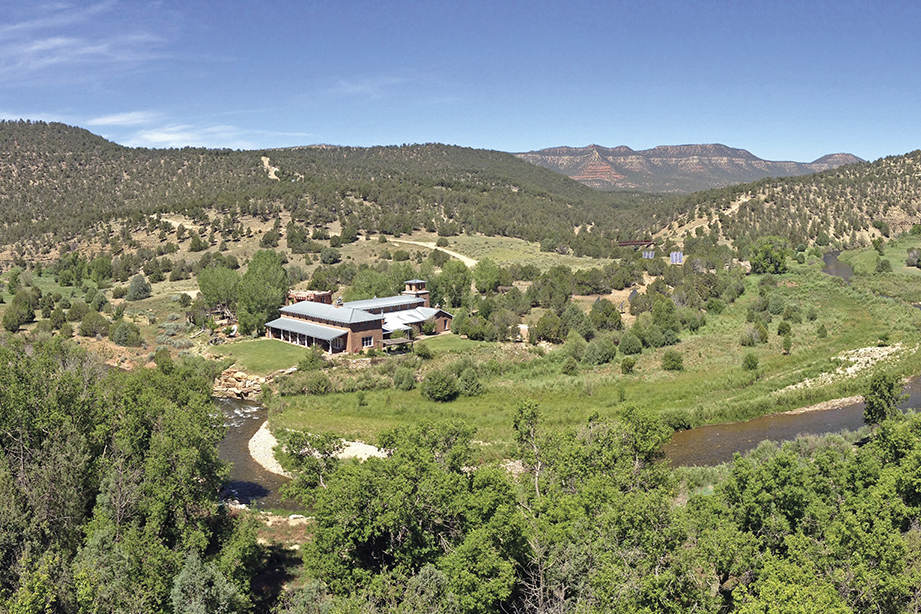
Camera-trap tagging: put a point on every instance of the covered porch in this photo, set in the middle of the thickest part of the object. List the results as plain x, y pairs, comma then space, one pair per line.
307, 334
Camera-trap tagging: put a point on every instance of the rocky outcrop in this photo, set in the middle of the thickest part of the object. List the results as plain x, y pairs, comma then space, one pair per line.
672, 168
232, 383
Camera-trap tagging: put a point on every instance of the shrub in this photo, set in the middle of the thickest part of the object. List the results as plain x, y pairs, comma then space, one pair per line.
630, 344
77, 310
654, 337
575, 345
884, 266
677, 419
428, 327
99, 302
822, 332
43, 326
318, 383
749, 337
138, 289
469, 385
440, 386
627, 365
715, 305
312, 360
67, 331
423, 351
441, 242
775, 305
57, 318
570, 366
404, 379
94, 324
750, 362
671, 337
126, 334
601, 350
330, 255
783, 328
672, 361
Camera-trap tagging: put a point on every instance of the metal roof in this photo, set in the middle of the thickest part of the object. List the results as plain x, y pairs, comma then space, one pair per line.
322, 311
399, 320
316, 331
382, 303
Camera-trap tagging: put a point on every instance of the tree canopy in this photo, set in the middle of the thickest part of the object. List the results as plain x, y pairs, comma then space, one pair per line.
261, 292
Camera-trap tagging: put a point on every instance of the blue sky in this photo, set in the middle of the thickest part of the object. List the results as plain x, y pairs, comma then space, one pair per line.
785, 80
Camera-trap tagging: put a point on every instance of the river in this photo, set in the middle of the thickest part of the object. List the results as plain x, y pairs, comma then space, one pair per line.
716, 443
835, 267
249, 483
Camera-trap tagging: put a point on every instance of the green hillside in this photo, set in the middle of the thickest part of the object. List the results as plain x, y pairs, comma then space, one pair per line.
58, 182
849, 205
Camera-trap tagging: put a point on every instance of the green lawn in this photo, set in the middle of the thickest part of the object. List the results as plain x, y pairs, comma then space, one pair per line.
261, 356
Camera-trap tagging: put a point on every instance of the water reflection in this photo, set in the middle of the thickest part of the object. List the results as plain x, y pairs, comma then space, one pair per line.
835, 267
716, 443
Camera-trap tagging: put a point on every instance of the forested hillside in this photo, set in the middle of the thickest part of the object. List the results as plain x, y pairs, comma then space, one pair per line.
849, 205
58, 182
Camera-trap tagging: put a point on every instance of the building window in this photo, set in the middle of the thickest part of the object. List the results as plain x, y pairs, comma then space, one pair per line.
447, 326
367, 342
337, 343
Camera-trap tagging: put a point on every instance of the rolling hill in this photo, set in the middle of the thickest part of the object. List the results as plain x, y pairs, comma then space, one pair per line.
847, 206
58, 182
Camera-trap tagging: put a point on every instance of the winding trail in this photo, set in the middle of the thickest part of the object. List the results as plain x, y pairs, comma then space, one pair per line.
465, 259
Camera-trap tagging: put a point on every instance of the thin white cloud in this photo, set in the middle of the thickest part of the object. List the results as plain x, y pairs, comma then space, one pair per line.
131, 118
220, 136
55, 15
60, 38
217, 136
372, 88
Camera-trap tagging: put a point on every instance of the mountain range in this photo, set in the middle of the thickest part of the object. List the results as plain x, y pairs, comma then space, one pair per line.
672, 168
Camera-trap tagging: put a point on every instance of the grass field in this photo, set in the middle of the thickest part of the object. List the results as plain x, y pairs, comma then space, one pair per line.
903, 283
863, 261
506, 251
261, 356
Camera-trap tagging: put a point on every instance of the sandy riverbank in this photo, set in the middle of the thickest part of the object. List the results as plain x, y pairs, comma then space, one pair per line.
262, 443
260, 448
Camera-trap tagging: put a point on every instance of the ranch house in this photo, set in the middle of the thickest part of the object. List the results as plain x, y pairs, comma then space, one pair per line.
357, 325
